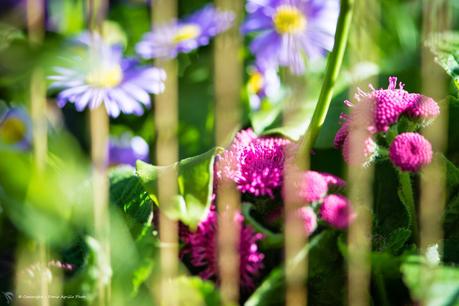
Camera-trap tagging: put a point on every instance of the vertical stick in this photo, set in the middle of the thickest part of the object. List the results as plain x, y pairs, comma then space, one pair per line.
433, 180
99, 122
99, 154
228, 83
360, 178
295, 235
35, 25
166, 119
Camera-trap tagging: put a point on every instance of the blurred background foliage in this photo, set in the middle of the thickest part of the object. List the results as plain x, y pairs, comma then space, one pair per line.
54, 206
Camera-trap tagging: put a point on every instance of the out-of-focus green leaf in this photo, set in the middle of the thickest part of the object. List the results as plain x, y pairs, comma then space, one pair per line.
128, 193
194, 181
445, 47
8, 34
196, 292
67, 16
435, 285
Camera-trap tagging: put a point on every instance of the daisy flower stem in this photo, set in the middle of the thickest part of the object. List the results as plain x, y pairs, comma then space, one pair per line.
333, 68
407, 198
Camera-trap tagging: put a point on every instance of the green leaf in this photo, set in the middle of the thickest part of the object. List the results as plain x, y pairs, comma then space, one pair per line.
194, 182
445, 47
397, 240
128, 193
436, 285
196, 292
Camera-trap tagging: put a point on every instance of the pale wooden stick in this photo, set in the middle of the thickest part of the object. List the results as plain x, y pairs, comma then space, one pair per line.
228, 83
360, 179
166, 119
433, 177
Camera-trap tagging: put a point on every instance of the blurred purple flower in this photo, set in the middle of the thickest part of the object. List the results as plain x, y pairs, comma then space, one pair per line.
262, 83
288, 28
103, 76
16, 129
201, 246
127, 150
183, 36
410, 152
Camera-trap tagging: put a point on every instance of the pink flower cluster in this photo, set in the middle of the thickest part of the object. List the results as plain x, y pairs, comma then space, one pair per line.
313, 188
201, 247
373, 114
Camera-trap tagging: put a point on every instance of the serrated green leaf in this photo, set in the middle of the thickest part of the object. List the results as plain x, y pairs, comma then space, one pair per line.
445, 47
194, 182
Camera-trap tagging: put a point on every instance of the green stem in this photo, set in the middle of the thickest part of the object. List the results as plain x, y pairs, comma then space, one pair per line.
272, 240
408, 200
381, 288
334, 63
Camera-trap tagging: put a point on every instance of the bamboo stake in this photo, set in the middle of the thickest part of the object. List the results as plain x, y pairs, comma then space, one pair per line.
228, 83
433, 178
295, 236
36, 31
360, 179
166, 119
99, 123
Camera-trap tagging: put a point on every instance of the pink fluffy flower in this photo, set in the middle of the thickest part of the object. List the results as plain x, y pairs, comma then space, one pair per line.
309, 219
410, 152
255, 164
337, 211
201, 246
380, 108
313, 187
341, 135
422, 107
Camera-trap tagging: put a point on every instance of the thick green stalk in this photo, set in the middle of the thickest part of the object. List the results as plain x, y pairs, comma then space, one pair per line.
334, 63
408, 200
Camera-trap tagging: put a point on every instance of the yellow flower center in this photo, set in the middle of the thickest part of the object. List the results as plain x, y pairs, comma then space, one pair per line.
12, 130
255, 83
105, 77
187, 32
289, 20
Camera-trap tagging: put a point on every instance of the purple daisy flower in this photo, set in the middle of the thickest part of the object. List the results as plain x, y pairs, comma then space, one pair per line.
103, 76
16, 129
186, 35
410, 152
337, 211
127, 150
288, 28
201, 246
263, 83
255, 164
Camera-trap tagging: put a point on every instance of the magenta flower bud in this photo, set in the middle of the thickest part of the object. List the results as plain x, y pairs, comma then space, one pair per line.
410, 152
337, 211
313, 187
341, 135
309, 219
422, 107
